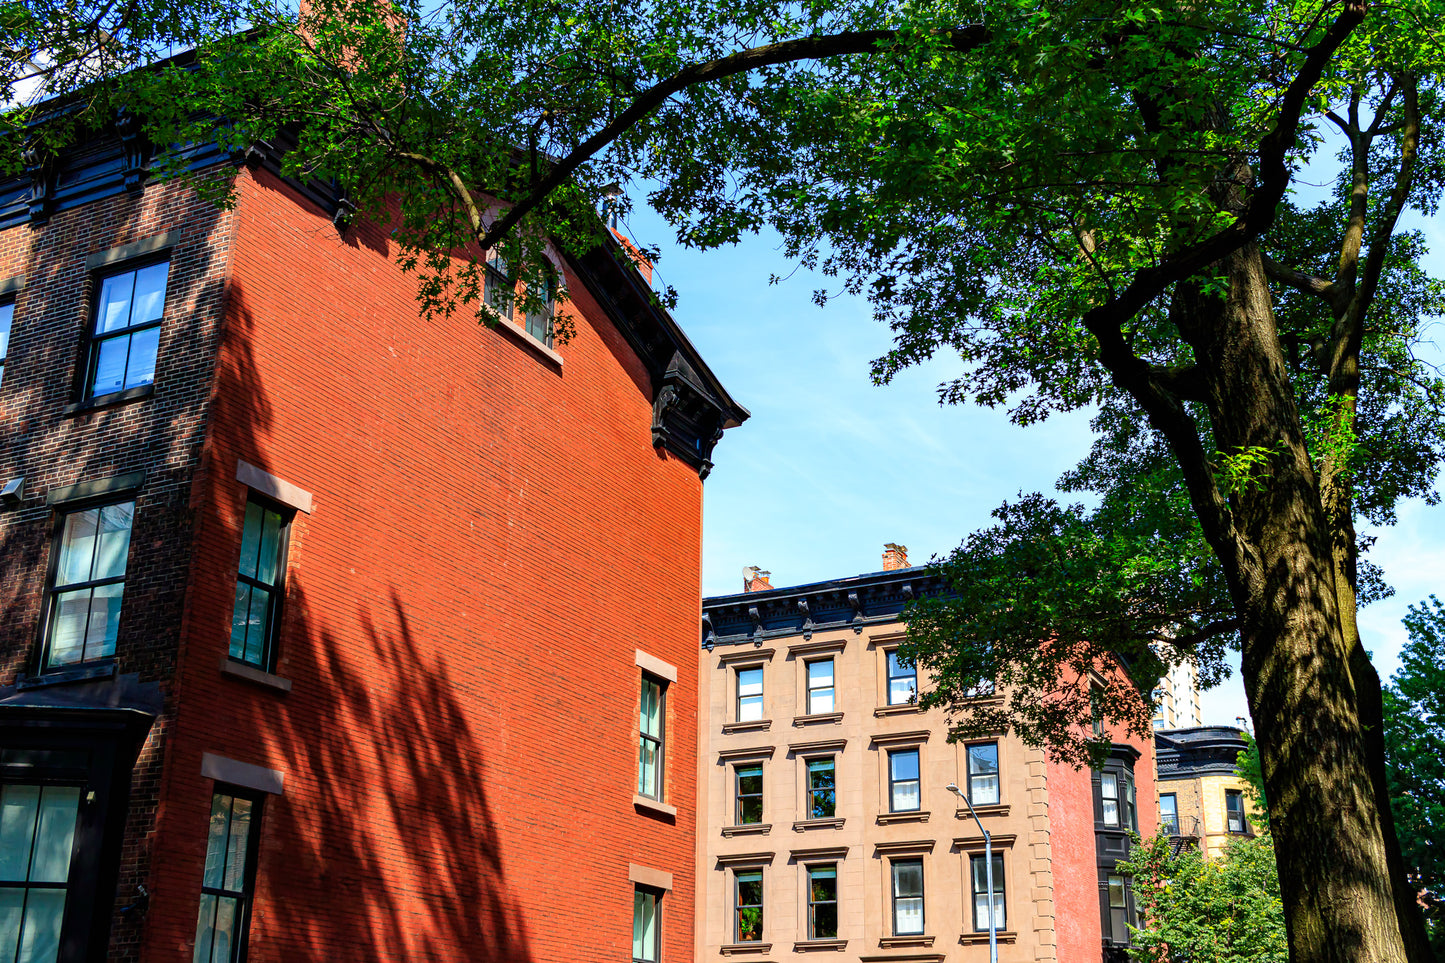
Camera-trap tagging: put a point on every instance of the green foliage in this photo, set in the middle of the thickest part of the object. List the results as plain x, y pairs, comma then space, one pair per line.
1225, 910
1415, 752
1247, 766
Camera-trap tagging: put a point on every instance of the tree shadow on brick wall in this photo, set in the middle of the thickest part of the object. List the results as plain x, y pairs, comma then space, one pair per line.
384, 846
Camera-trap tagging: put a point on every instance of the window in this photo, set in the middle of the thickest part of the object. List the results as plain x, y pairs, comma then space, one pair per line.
1169, 814
902, 681
822, 789
539, 322
7, 315
87, 584
750, 794
1109, 790
229, 878
903, 793
750, 694
1096, 712
127, 330
823, 902
499, 292
497, 289
1234, 811
1131, 814
646, 925
650, 737
983, 788
820, 686
37, 832
258, 585
907, 897
748, 906
978, 868
1119, 899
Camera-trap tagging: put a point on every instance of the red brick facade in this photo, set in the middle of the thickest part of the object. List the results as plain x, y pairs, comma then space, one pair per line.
461, 622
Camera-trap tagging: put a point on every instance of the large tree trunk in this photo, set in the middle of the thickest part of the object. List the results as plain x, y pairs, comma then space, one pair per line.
1329, 840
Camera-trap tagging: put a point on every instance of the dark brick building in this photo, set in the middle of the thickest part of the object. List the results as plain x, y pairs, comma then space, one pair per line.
315, 642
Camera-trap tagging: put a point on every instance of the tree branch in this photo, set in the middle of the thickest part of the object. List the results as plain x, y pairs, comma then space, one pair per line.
1299, 280
1105, 321
962, 39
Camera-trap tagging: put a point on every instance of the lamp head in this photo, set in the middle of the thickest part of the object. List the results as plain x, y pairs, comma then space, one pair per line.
953, 788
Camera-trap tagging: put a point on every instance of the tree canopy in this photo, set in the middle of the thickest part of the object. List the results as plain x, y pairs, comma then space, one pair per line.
1086, 200
1415, 746
1225, 910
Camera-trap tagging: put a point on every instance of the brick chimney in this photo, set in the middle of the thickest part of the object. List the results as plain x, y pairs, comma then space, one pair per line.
894, 557
755, 579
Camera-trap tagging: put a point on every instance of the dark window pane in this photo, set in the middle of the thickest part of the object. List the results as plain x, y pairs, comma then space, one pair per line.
825, 921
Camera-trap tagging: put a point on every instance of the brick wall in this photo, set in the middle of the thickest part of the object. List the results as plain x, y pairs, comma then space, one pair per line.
162, 434
493, 537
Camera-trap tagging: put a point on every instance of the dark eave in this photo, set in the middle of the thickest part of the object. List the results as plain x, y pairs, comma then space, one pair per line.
857, 602
1199, 751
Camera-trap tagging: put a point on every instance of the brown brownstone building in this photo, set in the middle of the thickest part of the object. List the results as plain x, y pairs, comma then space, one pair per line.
826, 826
300, 594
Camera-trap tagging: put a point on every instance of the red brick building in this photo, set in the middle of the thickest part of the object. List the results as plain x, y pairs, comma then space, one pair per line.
316, 640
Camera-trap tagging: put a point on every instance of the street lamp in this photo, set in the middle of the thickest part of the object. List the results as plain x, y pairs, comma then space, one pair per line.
988, 873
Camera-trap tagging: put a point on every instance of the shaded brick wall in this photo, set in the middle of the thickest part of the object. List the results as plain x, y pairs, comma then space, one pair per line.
161, 434
493, 537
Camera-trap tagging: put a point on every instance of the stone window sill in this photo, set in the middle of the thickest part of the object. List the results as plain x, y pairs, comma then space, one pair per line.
748, 829
819, 718
803, 825
1004, 936
654, 805
893, 942
813, 946
997, 809
888, 819
752, 725
898, 710
80, 673
110, 399
737, 949
521, 334
260, 677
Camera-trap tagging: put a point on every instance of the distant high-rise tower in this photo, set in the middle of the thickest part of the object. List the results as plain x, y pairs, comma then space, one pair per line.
1177, 698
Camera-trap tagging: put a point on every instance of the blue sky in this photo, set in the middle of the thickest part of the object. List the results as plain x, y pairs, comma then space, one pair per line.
830, 467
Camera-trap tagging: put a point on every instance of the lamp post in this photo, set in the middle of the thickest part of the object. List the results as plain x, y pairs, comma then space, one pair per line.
988, 873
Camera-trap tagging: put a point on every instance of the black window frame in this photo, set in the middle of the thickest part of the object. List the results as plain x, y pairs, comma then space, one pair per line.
813, 904
890, 659
739, 906
656, 895
831, 688
1106, 798
246, 895
94, 339
810, 791
895, 897
49, 609
270, 647
748, 768
660, 740
1235, 811
1124, 909
893, 782
1169, 822
1000, 891
971, 775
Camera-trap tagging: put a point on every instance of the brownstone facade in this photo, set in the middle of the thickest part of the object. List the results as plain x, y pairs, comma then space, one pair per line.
828, 828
